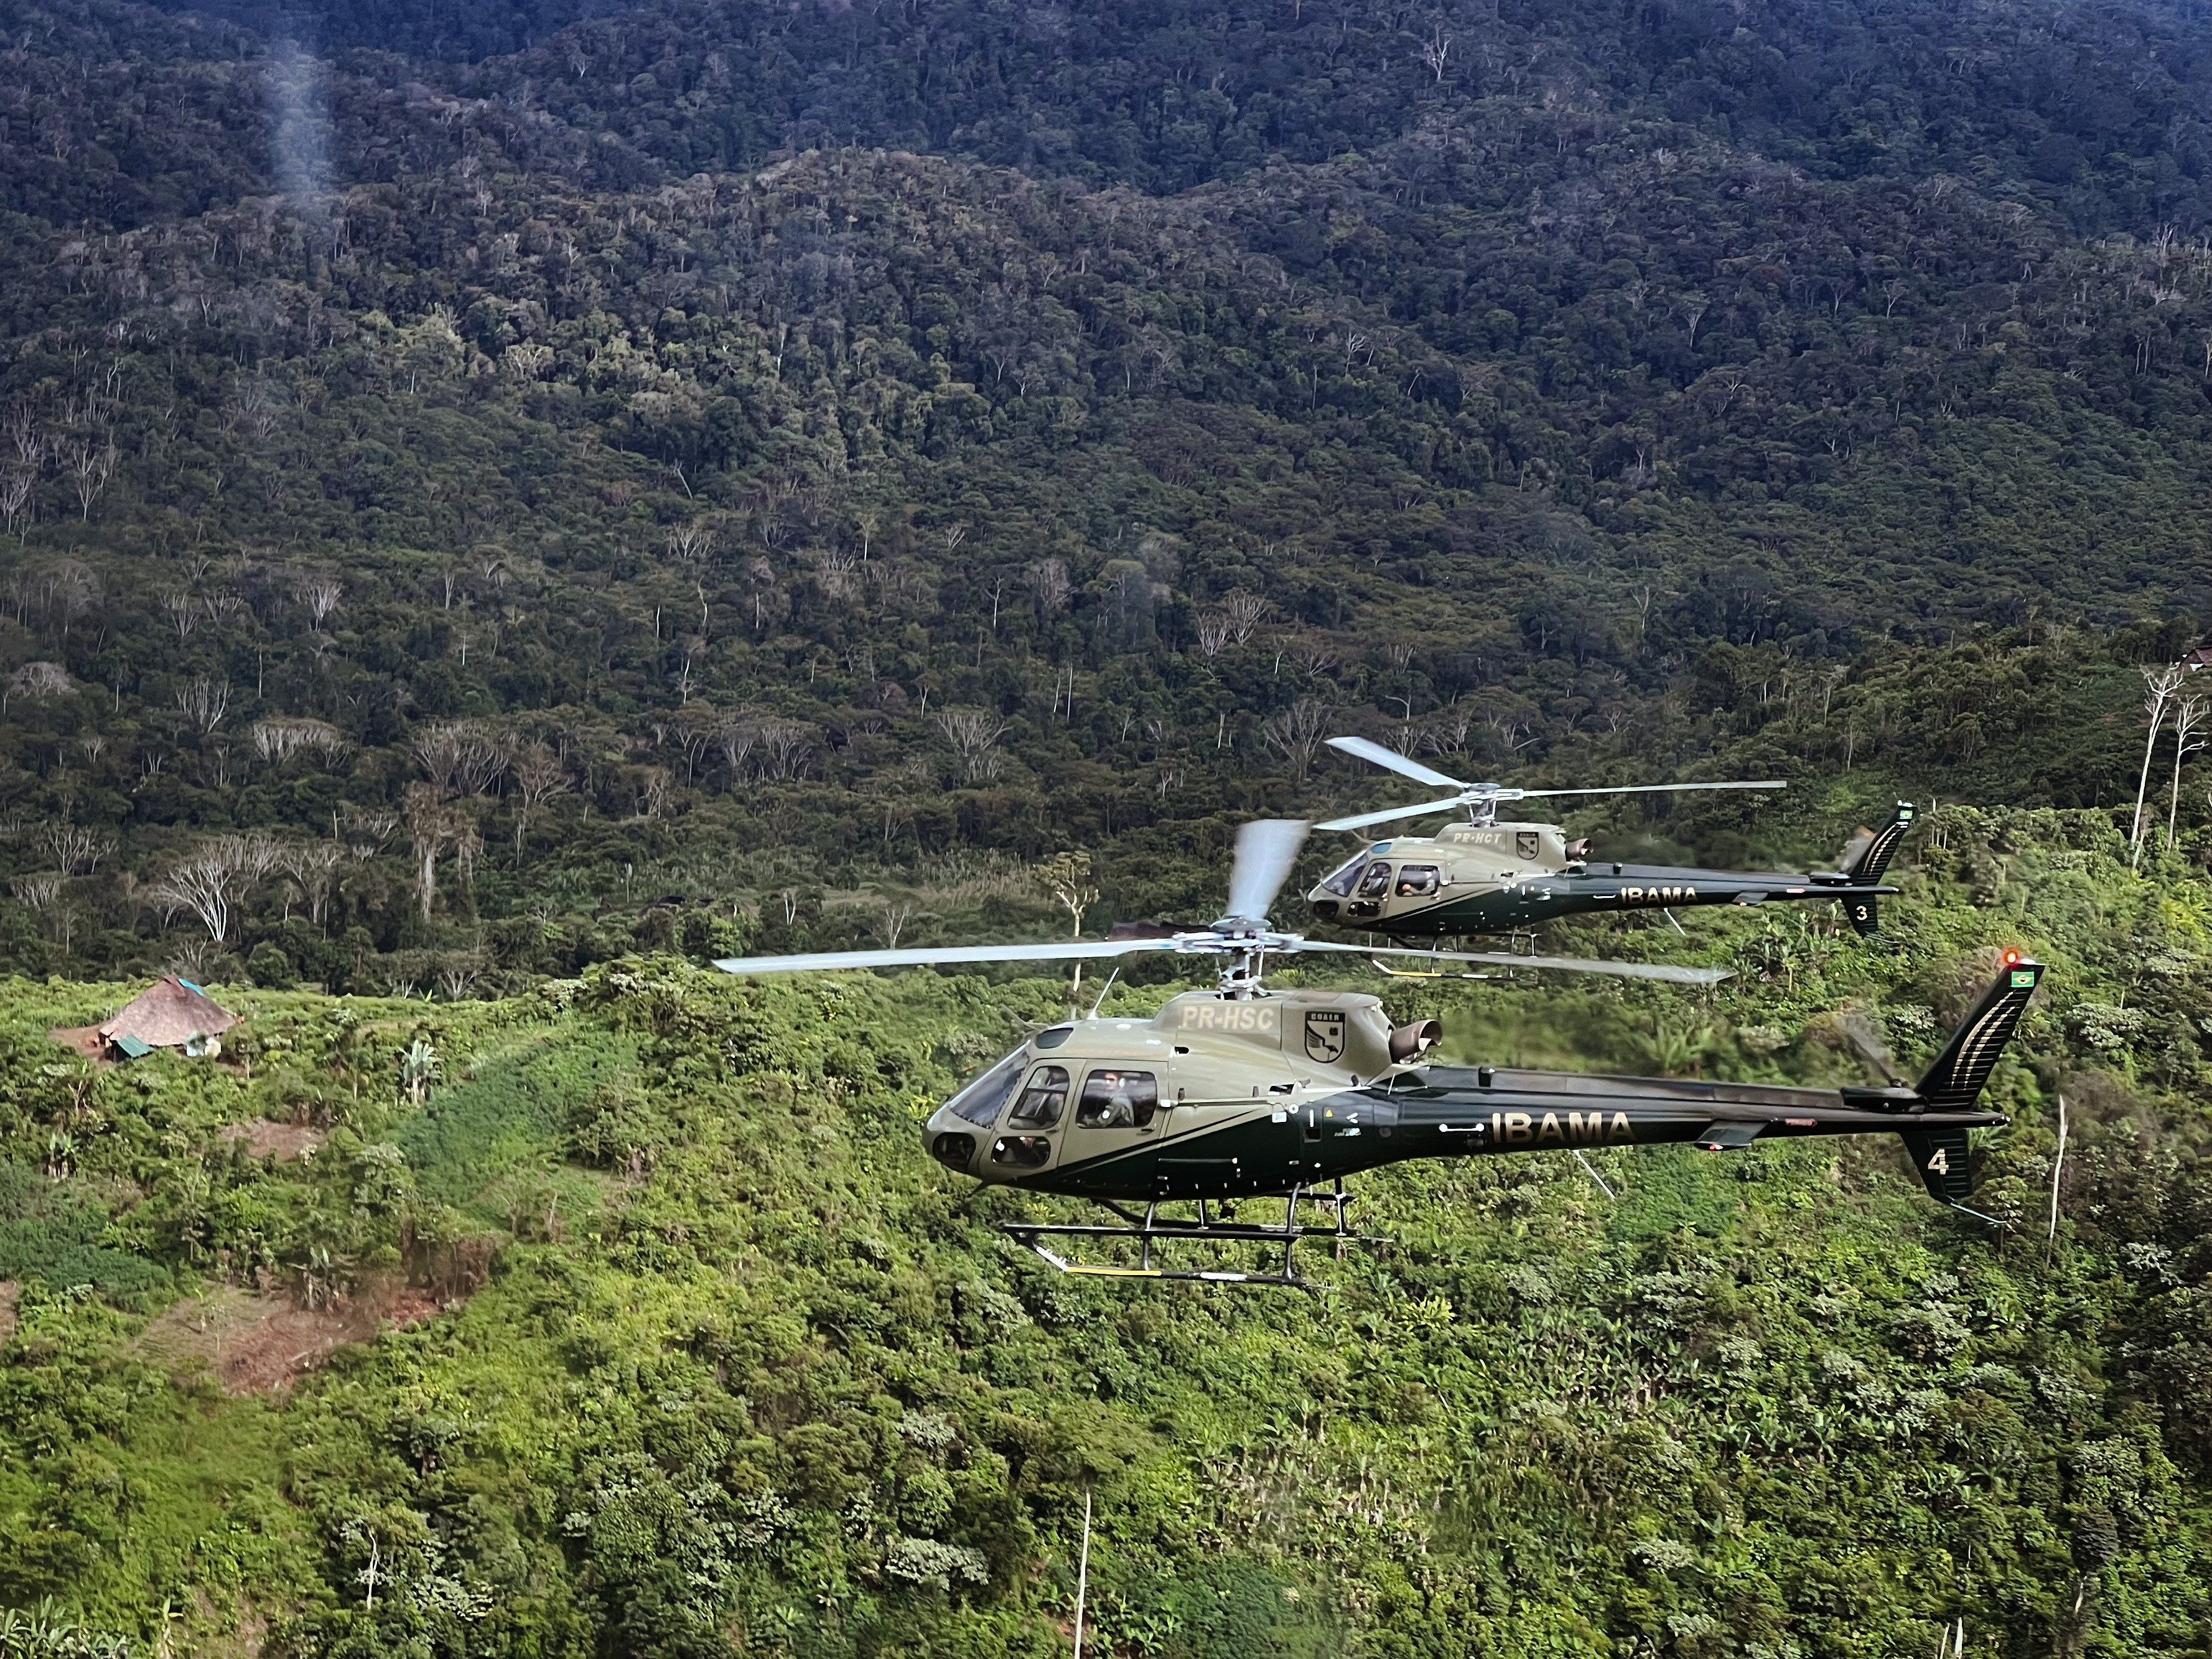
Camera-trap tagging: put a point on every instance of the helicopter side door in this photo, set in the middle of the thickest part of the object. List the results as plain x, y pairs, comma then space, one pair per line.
1118, 1120
1213, 1131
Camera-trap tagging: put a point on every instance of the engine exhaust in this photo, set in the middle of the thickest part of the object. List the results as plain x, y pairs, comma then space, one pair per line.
1413, 1041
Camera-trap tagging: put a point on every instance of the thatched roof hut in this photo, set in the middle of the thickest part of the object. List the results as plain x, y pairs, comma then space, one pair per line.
169, 1014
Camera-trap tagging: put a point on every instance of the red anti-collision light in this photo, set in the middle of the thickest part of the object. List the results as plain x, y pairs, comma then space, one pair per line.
2011, 956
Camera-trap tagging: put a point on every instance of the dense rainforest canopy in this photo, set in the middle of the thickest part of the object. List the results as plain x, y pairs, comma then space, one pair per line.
499, 501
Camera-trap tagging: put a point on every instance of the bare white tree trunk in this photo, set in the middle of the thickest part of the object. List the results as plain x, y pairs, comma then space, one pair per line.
211, 878
2188, 720
1083, 1573
973, 733
2158, 684
2058, 1168
1297, 731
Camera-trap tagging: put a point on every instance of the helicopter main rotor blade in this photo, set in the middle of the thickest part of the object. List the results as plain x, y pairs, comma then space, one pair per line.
1672, 973
1643, 789
1502, 793
1266, 850
1394, 760
1361, 820
928, 956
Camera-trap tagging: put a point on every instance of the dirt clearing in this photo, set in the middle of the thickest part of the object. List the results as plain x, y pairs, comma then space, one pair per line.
289, 1141
253, 1342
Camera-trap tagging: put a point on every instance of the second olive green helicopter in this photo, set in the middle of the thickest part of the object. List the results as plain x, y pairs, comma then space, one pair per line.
1485, 876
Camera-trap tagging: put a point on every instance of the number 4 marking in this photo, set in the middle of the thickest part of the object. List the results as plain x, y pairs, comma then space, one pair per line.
1940, 1163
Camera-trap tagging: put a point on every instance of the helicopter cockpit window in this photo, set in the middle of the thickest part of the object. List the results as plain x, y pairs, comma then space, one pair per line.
1377, 882
980, 1102
1339, 882
1414, 879
1041, 1103
1118, 1100
1024, 1151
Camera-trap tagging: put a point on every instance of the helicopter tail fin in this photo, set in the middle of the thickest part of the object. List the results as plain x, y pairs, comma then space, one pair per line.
1955, 1080
1869, 863
1953, 1083
1871, 860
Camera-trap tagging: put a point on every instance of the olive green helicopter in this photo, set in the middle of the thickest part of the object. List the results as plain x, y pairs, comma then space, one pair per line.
1244, 1092
1487, 877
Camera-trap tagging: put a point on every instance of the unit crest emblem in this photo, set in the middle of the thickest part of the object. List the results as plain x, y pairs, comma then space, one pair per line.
1324, 1036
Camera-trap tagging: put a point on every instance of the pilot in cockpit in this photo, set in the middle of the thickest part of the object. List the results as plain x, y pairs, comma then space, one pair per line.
1118, 1100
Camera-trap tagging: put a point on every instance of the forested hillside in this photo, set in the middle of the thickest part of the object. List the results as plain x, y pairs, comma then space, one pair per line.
427, 473
498, 501
704, 1355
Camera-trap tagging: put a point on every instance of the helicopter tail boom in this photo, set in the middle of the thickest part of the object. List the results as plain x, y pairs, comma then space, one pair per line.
1489, 1109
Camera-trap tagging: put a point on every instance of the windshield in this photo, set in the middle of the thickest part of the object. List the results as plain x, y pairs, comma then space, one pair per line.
980, 1101
1340, 883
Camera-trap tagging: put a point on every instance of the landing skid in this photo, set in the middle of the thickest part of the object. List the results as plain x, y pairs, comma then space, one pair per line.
1518, 944
1214, 1225
1384, 968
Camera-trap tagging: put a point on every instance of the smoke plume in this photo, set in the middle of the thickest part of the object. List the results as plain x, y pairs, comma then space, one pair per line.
300, 113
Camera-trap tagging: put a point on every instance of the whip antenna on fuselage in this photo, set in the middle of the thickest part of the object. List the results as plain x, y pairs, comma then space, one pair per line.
1102, 990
